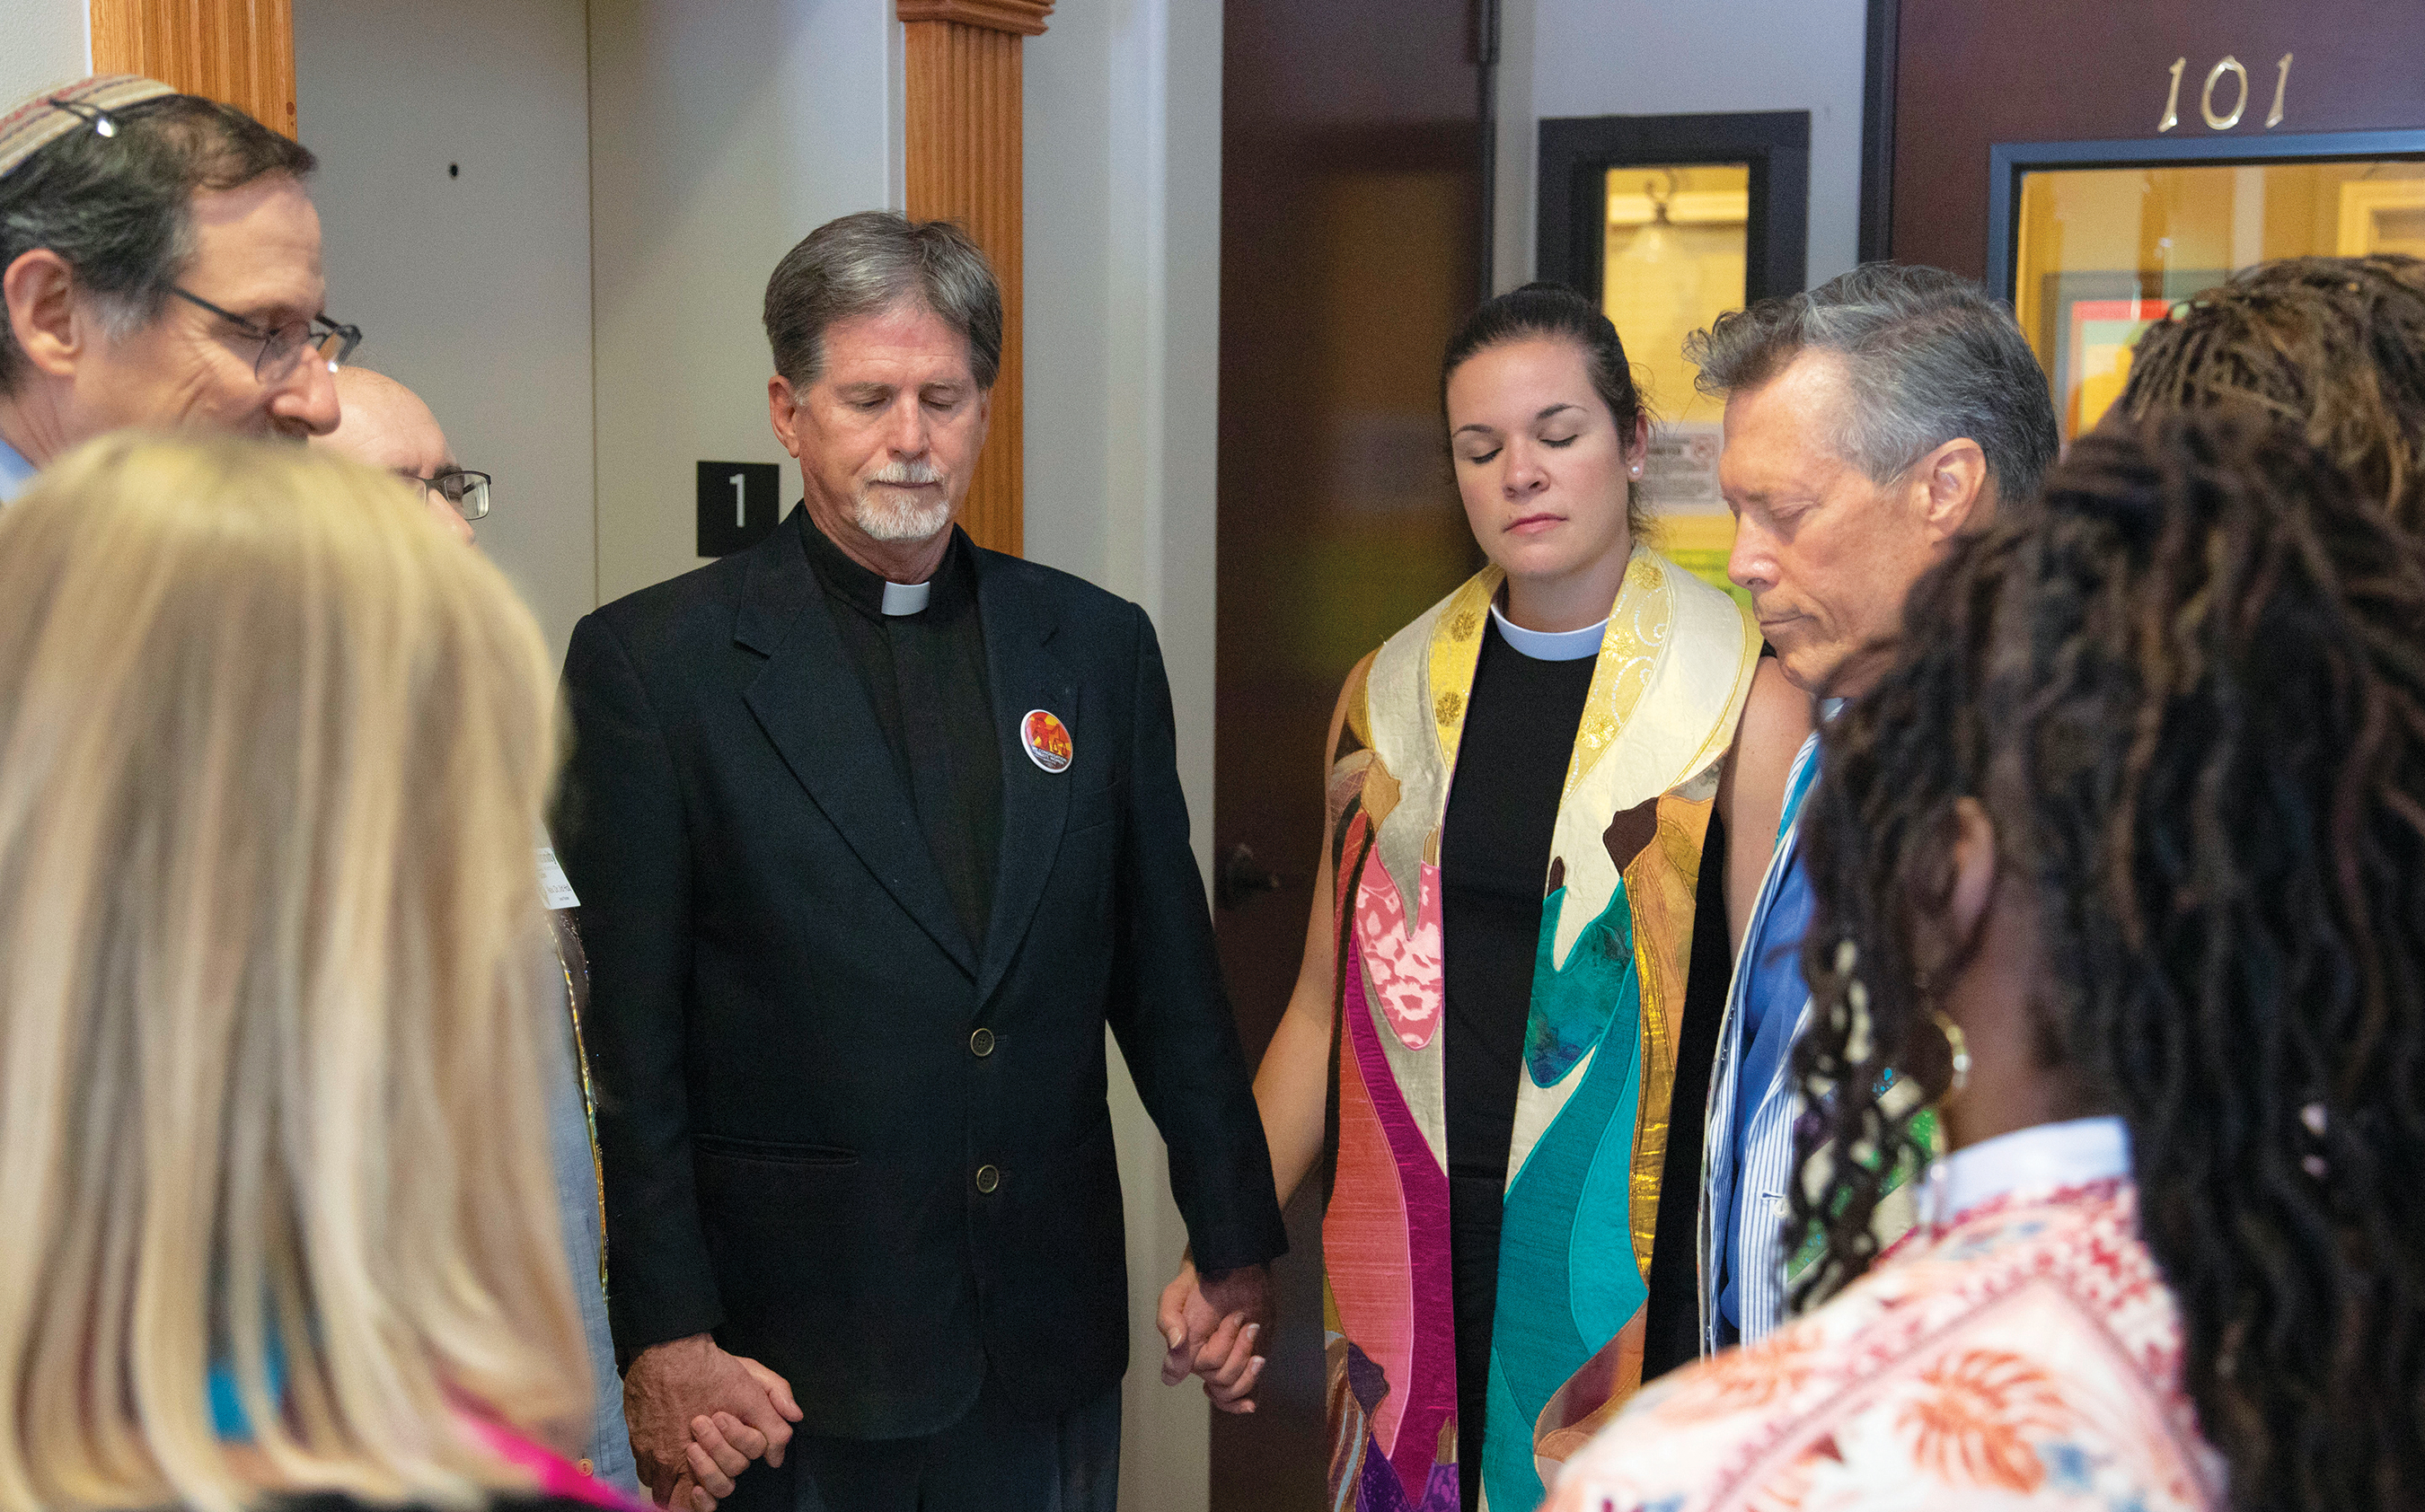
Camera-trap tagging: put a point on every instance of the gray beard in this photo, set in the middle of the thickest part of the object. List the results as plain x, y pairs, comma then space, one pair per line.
899, 519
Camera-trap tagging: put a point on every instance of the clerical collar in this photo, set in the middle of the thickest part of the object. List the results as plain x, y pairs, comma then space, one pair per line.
878, 599
2042, 1157
1551, 645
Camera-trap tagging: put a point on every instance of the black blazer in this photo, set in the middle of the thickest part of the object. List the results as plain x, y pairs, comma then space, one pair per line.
832, 1134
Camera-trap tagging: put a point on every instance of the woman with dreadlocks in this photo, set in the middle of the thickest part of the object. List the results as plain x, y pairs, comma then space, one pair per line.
2333, 347
2121, 865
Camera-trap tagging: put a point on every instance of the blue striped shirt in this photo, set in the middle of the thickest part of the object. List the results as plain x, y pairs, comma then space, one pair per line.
15, 472
1749, 1139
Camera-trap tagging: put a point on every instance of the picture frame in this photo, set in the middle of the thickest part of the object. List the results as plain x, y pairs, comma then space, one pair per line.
2091, 320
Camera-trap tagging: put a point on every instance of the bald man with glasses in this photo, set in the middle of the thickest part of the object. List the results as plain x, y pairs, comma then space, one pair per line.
160, 266
386, 424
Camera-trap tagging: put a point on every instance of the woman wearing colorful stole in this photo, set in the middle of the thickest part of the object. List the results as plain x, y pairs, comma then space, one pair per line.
1527, 787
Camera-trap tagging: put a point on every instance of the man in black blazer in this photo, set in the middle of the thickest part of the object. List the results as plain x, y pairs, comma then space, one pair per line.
874, 832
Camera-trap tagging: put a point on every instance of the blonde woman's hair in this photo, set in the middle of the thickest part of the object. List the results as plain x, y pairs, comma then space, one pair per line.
272, 758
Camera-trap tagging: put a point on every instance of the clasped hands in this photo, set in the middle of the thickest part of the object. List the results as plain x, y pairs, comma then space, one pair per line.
698, 1416
1213, 1321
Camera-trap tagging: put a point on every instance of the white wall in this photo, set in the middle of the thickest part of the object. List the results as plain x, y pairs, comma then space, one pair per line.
720, 134
1123, 168
1640, 57
48, 43
472, 287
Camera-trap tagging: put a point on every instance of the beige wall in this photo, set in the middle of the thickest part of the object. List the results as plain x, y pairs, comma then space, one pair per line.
471, 287
1641, 57
1123, 144
720, 135
49, 42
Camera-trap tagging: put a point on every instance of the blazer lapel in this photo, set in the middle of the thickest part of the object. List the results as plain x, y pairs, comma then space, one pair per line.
1023, 676
811, 702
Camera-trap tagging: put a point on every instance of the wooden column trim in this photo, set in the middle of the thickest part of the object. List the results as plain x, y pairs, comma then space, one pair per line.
962, 62
239, 52
1025, 17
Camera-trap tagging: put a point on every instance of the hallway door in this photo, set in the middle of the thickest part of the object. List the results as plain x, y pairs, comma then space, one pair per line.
1351, 233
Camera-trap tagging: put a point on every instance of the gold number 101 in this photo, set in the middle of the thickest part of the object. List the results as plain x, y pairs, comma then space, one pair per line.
2206, 99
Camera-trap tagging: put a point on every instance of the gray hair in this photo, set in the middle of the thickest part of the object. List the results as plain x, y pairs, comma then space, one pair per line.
1928, 358
118, 209
868, 262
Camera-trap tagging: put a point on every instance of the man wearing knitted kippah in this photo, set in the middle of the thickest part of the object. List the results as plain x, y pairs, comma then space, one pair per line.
160, 266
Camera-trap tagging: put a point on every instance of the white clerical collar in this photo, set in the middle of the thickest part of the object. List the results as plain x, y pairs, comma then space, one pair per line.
1551, 645
15, 472
2041, 1157
905, 597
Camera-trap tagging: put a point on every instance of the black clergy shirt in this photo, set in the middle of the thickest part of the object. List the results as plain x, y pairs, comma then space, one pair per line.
925, 677
1495, 844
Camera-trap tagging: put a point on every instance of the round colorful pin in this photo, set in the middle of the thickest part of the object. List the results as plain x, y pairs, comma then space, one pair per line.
1046, 740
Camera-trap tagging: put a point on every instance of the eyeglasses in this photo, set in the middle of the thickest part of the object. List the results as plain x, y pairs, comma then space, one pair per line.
282, 348
466, 490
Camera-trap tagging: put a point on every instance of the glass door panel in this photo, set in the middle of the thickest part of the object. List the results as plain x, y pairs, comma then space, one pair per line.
1678, 243
2102, 252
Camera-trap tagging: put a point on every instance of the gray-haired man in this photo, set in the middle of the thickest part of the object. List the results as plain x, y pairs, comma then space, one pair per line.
874, 832
1867, 422
160, 265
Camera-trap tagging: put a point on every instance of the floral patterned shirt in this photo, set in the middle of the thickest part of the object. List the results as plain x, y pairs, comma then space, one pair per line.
2023, 1352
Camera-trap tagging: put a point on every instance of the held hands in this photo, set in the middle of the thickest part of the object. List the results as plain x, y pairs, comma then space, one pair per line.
1212, 1322
698, 1416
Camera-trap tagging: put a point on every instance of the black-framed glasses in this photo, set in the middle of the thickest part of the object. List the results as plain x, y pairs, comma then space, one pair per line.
284, 347
465, 490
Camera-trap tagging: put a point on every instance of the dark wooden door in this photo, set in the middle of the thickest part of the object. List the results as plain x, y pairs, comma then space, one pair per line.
1352, 229
1965, 74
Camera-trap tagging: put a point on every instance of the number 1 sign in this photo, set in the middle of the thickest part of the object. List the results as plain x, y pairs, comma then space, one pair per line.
738, 505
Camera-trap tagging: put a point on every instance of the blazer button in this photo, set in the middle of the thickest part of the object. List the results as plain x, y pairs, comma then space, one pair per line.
981, 1044
988, 1179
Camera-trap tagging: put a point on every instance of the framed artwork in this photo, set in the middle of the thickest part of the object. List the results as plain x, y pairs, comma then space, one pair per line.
2090, 322
2100, 334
